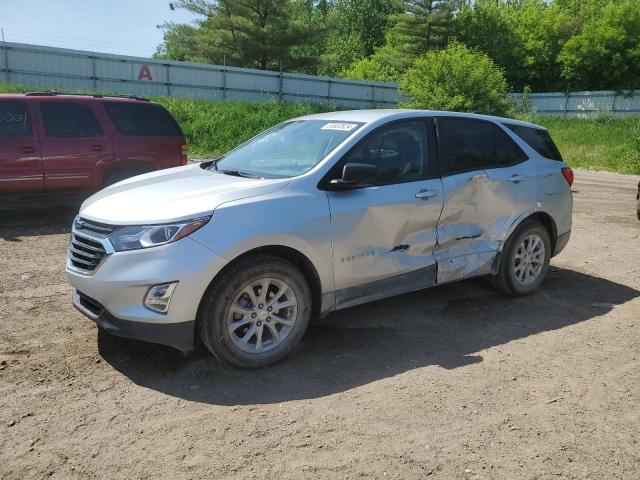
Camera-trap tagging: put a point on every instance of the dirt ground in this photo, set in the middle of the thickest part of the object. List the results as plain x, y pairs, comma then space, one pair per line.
456, 382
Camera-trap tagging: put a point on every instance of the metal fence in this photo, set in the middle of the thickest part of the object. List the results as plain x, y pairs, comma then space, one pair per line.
584, 104
48, 67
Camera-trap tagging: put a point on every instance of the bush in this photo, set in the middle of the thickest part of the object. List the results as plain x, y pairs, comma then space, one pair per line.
371, 69
459, 79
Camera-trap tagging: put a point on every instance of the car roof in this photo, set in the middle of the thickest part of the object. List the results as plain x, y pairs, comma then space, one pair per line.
376, 115
58, 96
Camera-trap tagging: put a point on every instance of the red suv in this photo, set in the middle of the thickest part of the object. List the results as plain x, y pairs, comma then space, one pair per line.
77, 144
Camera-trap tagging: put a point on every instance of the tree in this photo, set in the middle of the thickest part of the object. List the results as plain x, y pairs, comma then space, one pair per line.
423, 25
247, 33
456, 78
523, 38
371, 69
355, 28
606, 53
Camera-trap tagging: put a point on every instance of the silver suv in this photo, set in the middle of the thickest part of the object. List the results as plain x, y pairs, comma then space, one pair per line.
318, 214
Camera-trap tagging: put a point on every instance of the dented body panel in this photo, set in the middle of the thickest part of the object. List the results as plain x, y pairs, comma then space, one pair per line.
378, 235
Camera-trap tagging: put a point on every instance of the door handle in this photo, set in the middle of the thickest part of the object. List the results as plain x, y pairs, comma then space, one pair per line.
516, 178
426, 194
28, 149
96, 148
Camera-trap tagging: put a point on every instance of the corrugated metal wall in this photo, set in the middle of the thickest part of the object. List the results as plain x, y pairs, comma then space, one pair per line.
584, 104
48, 67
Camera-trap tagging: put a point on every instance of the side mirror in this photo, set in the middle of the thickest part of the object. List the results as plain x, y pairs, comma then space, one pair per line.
355, 175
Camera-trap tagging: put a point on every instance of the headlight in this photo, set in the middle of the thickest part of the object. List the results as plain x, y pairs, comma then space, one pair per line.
145, 236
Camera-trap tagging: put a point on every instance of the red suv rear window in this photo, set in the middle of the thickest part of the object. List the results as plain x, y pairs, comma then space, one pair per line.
142, 119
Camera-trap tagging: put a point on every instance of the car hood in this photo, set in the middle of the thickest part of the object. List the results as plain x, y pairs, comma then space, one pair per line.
169, 195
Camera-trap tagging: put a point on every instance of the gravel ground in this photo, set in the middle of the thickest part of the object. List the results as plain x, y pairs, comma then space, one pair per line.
453, 382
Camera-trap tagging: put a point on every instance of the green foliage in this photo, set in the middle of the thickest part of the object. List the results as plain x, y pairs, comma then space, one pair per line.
355, 29
456, 78
371, 69
423, 25
523, 38
341, 51
606, 53
524, 105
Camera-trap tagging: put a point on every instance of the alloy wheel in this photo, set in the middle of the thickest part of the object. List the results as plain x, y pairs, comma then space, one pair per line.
262, 315
528, 261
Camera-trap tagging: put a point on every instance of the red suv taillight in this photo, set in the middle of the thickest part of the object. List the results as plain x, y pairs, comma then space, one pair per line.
567, 173
183, 154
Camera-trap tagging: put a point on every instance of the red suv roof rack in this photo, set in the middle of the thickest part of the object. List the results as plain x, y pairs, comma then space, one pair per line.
53, 93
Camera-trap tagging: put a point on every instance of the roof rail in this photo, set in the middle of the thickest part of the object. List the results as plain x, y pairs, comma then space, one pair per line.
53, 93
42, 94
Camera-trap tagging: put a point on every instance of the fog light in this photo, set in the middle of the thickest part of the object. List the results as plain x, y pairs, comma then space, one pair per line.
159, 296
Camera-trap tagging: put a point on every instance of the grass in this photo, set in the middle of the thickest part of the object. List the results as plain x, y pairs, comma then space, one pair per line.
213, 128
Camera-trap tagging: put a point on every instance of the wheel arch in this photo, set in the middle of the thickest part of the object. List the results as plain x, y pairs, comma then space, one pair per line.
143, 166
297, 258
547, 222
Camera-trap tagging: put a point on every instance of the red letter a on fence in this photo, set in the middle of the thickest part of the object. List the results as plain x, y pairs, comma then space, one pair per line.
145, 73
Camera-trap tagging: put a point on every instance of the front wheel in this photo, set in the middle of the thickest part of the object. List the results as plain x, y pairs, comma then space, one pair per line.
256, 312
525, 260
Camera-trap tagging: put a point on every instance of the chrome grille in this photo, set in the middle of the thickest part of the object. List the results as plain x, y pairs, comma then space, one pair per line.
101, 230
84, 253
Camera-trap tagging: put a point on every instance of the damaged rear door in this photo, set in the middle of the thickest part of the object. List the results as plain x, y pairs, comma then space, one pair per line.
384, 235
484, 193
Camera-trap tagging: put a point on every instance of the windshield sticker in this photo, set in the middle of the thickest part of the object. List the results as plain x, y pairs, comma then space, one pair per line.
345, 127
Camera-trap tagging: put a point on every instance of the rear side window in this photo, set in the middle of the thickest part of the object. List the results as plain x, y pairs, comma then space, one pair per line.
507, 151
69, 120
142, 119
539, 140
467, 144
14, 119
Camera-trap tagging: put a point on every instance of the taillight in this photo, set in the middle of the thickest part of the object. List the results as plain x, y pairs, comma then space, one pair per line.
183, 154
567, 173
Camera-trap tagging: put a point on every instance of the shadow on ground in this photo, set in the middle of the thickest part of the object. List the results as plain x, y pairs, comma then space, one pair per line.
35, 221
442, 326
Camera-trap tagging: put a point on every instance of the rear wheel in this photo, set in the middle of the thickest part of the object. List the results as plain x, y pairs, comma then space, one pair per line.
525, 260
256, 312
122, 174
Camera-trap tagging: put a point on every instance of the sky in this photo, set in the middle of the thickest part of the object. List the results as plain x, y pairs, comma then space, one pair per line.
127, 27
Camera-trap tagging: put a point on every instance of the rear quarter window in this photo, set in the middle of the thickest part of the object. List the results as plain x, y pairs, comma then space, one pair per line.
142, 119
539, 140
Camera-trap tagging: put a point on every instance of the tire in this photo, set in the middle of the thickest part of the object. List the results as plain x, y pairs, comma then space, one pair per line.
521, 281
228, 312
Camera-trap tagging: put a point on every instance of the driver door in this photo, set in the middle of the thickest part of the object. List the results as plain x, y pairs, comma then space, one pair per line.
384, 235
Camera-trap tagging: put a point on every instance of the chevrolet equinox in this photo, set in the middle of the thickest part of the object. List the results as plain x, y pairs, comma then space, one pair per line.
314, 215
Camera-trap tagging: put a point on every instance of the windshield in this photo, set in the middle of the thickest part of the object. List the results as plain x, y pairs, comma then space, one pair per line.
286, 150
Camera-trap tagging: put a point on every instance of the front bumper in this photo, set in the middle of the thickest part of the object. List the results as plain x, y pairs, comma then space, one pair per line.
177, 335
120, 283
